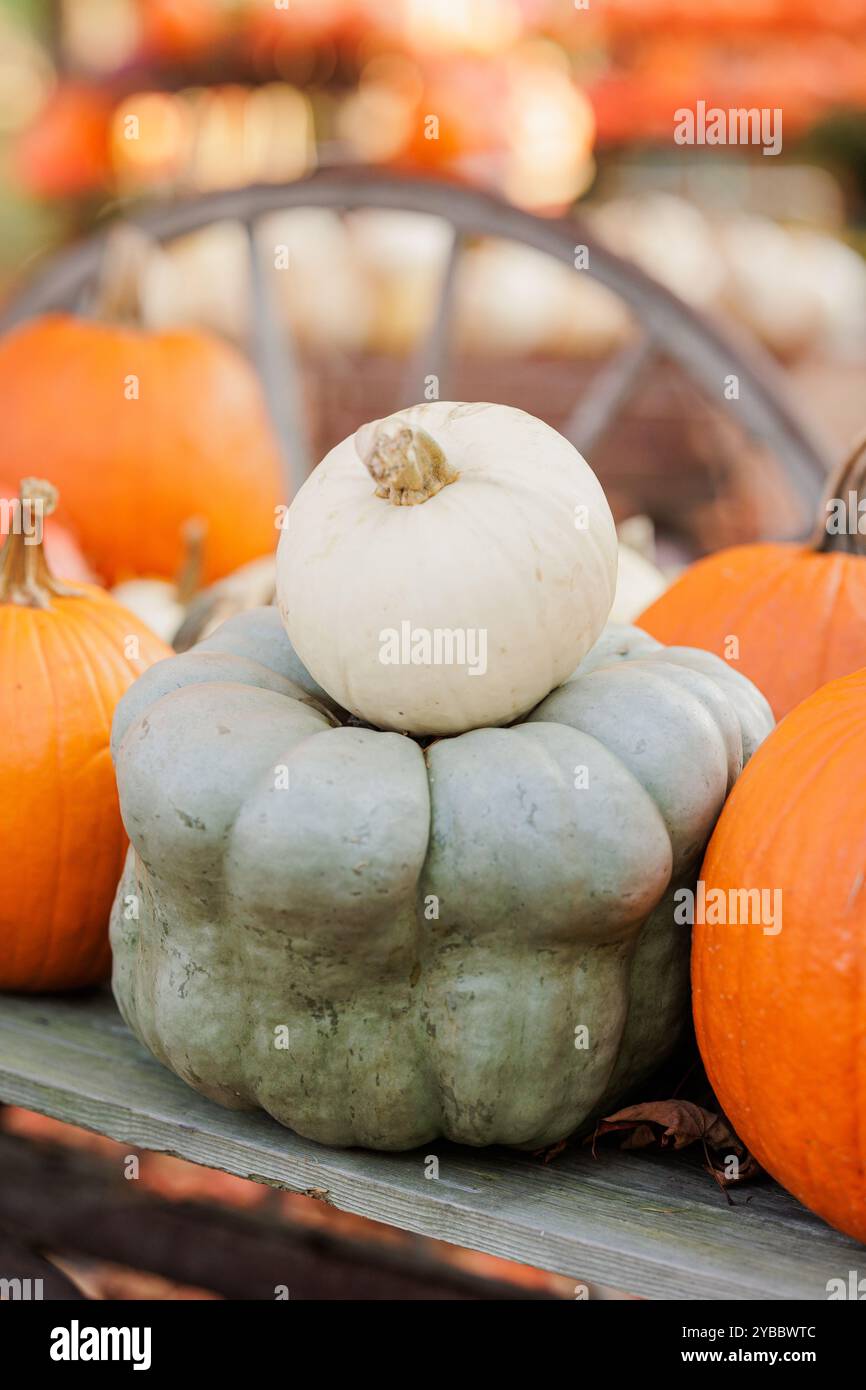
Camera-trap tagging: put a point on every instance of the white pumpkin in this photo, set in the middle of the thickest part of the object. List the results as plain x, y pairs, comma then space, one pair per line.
163, 603
639, 581
201, 279
155, 601
446, 568
403, 257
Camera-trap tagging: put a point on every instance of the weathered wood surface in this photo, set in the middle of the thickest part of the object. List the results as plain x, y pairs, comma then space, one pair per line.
655, 1226
59, 1199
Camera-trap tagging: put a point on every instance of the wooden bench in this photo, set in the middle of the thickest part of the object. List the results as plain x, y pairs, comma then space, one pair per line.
653, 1225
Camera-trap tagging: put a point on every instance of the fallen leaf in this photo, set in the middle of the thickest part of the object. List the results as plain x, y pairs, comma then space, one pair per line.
675, 1124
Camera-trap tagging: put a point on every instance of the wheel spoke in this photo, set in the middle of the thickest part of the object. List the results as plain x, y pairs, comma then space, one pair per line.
596, 411
432, 355
277, 363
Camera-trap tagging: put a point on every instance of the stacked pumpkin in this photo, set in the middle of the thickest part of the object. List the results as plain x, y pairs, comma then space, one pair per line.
404, 851
418, 834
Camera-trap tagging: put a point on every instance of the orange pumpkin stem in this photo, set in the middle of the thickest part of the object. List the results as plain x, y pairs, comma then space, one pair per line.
24, 574
849, 478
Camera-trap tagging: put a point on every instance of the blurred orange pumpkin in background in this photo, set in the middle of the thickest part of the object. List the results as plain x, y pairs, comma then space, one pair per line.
142, 431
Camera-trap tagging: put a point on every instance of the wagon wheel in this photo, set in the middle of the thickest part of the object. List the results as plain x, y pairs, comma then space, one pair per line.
706, 354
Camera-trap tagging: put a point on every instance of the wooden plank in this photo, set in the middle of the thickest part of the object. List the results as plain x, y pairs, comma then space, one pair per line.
655, 1226
56, 1198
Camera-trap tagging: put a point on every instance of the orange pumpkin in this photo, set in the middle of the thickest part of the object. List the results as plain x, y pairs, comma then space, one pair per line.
143, 430
790, 617
68, 656
780, 1014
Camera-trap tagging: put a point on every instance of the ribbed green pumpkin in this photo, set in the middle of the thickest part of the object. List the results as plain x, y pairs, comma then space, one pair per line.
380, 942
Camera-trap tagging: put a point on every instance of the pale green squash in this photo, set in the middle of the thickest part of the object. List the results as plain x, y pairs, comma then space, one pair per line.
378, 942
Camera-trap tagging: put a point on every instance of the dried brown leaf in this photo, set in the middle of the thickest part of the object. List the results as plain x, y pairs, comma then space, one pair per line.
676, 1124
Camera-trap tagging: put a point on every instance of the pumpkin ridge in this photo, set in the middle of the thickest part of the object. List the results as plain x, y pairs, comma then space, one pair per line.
812, 749
405, 1023
51, 918
764, 839
80, 659
114, 668
833, 573
13, 663
64, 836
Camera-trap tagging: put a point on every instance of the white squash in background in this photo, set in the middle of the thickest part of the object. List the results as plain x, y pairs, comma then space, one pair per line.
767, 285
316, 278
667, 237
155, 602
446, 568
837, 275
509, 299
253, 585
201, 279
593, 320
163, 603
514, 300
638, 584
639, 581
403, 256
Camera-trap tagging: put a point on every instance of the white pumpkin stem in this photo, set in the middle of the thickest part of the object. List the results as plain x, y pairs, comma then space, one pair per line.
25, 578
406, 464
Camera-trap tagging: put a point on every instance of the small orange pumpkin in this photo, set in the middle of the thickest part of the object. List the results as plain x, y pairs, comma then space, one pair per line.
779, 1004
143, 429
68, 656
798, 613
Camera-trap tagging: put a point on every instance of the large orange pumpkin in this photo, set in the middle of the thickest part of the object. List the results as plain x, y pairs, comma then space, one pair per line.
781, 1014
143, 431
67, 655
790, 617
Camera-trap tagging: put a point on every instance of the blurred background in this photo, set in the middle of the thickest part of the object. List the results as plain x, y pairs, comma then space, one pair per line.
109, 105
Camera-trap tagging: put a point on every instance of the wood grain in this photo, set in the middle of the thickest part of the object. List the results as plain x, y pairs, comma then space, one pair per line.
652, 1225
56, 1198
